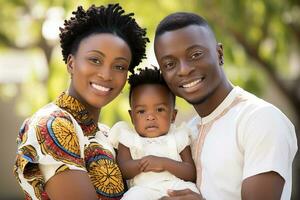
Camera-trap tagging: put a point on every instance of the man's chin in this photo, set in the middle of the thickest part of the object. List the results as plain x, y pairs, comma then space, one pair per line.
196, 101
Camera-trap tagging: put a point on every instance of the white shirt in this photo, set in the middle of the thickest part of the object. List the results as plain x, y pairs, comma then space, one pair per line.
244, 136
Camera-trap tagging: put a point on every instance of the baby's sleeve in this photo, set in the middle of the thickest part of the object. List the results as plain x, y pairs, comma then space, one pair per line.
182, 136
122, 133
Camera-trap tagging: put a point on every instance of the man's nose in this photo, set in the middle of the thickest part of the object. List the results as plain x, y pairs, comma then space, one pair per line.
185, 68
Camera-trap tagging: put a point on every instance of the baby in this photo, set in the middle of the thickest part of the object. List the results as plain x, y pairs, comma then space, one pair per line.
154, 156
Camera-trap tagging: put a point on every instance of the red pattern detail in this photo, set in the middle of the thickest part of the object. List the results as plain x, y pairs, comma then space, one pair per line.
51, 147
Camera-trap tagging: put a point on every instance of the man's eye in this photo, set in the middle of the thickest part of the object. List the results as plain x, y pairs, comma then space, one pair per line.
196, 55
169, 65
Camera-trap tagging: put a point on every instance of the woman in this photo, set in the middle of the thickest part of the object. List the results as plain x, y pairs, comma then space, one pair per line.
62, 152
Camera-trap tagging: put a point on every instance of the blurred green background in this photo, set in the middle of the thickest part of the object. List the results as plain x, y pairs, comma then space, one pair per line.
262, 54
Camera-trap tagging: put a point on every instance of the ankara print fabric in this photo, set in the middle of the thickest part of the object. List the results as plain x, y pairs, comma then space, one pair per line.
61, 136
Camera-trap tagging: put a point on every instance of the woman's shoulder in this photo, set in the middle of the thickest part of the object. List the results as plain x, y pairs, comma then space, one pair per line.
49, 111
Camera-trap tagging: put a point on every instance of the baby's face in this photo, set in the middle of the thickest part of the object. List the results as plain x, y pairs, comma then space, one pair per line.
152, 110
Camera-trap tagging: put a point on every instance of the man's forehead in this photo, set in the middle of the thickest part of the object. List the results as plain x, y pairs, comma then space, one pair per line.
183, 39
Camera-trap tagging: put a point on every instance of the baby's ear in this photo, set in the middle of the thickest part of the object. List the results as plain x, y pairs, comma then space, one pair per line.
129, 112
174, 115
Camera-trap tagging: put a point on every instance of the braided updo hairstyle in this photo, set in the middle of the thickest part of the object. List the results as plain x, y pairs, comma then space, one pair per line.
110, 19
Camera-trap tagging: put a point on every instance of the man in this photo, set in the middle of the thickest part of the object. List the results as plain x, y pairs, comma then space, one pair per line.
243, 147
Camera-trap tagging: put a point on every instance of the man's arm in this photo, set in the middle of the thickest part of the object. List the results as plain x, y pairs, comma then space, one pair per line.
265, 186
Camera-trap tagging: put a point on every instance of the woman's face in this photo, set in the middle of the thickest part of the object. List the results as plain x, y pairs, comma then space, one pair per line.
99, 69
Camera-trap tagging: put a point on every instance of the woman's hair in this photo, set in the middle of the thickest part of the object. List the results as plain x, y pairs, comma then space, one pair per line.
147, 76
110, 19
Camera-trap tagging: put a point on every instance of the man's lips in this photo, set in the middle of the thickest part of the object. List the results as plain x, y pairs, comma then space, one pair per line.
192, 83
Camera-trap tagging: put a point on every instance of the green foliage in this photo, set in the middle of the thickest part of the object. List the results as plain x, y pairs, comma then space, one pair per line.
253, 32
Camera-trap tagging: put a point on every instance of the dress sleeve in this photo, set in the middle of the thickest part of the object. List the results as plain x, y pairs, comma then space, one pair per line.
47, 146
267, 139
182, 136
122, 133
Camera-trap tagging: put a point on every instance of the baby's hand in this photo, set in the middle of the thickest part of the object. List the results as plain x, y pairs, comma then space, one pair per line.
151, 163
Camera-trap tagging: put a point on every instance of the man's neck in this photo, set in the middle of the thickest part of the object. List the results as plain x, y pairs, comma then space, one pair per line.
214, 100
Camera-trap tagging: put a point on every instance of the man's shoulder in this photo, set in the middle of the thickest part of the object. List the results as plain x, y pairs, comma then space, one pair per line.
255, 107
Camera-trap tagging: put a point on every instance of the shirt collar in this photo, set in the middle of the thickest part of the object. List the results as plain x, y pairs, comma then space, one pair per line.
79, 112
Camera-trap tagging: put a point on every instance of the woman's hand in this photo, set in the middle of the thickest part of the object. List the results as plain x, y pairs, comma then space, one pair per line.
185, 194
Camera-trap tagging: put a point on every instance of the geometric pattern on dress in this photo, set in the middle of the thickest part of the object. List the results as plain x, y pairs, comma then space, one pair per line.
25, 161
22, 136
79, 112
104, 172
57, 137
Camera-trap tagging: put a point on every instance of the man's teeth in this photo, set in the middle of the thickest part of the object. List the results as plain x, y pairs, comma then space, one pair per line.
191, 84
99, 87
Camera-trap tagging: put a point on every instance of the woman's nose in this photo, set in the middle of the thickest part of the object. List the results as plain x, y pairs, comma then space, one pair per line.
105, 73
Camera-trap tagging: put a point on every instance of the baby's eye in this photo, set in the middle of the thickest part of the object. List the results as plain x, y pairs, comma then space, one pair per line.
140, 111
161, 109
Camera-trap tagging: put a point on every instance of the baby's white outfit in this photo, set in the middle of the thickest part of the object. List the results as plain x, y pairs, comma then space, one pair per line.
152, 185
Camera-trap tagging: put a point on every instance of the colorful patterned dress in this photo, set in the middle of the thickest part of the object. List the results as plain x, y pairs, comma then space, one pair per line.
62, 136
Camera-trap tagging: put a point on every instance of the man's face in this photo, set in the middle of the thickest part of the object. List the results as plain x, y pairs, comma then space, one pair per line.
189, 60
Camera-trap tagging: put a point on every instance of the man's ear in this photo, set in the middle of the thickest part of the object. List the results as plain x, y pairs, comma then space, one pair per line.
174, 115
70, 64
220, 53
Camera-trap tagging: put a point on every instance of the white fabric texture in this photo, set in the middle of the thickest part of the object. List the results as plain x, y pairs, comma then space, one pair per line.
245, 136
169, 145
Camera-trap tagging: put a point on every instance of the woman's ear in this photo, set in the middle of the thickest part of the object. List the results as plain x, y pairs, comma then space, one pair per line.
70, 64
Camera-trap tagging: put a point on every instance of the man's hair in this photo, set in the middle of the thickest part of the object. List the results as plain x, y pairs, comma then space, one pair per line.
110, 19
179, 20
147, 76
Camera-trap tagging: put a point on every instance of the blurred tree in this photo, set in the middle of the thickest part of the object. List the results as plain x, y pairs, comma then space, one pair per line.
260, 33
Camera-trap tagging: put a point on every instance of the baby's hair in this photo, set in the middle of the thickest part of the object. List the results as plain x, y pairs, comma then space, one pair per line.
147, 76
110, 19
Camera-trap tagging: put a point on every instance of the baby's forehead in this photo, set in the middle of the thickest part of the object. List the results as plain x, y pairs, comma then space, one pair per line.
151, 91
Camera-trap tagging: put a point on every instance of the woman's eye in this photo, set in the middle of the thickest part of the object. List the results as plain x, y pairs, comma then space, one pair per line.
120, 68
95, 61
